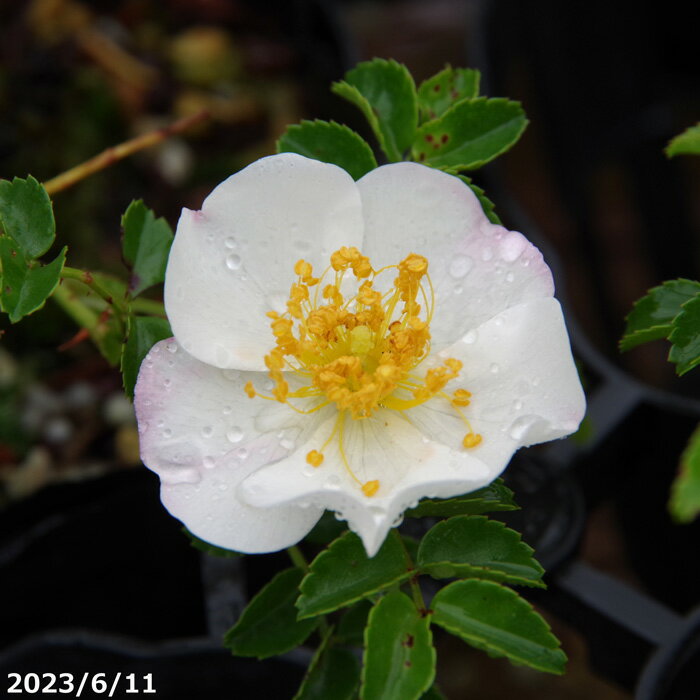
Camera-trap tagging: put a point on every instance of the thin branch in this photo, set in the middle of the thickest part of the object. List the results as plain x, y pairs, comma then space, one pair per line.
123, 150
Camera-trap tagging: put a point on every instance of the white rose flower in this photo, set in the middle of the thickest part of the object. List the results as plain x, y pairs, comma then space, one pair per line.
351, 346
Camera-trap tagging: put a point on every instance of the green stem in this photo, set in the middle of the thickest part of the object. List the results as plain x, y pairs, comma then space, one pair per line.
84, 317
299, 560
86, 278
149, 307
416, 592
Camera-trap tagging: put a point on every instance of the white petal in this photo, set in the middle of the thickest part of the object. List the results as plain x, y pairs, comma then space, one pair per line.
478, 269
233, 261
384, 447
202, 435
524, 384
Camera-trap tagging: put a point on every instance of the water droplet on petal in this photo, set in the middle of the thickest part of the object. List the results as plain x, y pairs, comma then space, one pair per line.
234, 434
230, 242
486, 254
242, 453
460, 266
458, 290
332, 482
233, 261
308, 470
207, 431
517, 405
520, 427
208, 462
469, 337
167, 433
494, 368
226, 410
287, 444
398, 521
167, 382
510, 277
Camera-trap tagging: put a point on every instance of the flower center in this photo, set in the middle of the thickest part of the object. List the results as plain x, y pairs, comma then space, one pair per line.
361, 351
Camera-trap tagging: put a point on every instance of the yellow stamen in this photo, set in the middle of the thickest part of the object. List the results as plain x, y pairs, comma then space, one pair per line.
471, 440
314, 458
369, 488
360, 352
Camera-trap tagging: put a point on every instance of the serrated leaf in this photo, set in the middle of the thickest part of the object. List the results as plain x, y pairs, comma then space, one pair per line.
470, 134
144, 333
334, 674
438, 93
651, 316
495, 619
385, 93
26, 215
269, 626
684, 504
351, 628
26, 285
474, 546
494, 497
399, 658
145, 246
208, 548
488, 207
331, 143
344, 574
686, 143
685, 337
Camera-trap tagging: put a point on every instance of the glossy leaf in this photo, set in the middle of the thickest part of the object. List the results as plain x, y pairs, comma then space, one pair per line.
211, 549
26, 216
144, 333
495, 619
334, 674
651, 316
331, 143
269, 625
685, 337
385, 93
145, 245
399, 659
437, 94
344, 574
26, 284
474, 546
685, 491
687, 143
470, 134
494, 497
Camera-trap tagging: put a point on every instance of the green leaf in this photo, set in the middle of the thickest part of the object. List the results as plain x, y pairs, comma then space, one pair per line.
334, 674
399, 660
651, 316
488, 207
208, 548
27, 216
451, 85
145, 245
494, 497
144, 333
474, 546
685, 490
351, 628
344, 574
685, 337
269, 625
495, 619
331, 143
386, 94
470, 134
26, 285
686, 143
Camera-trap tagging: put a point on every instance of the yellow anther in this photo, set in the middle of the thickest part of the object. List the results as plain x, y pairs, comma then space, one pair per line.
250, 390
314, 458
302, 268
471, 440
369, 488
461, 397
